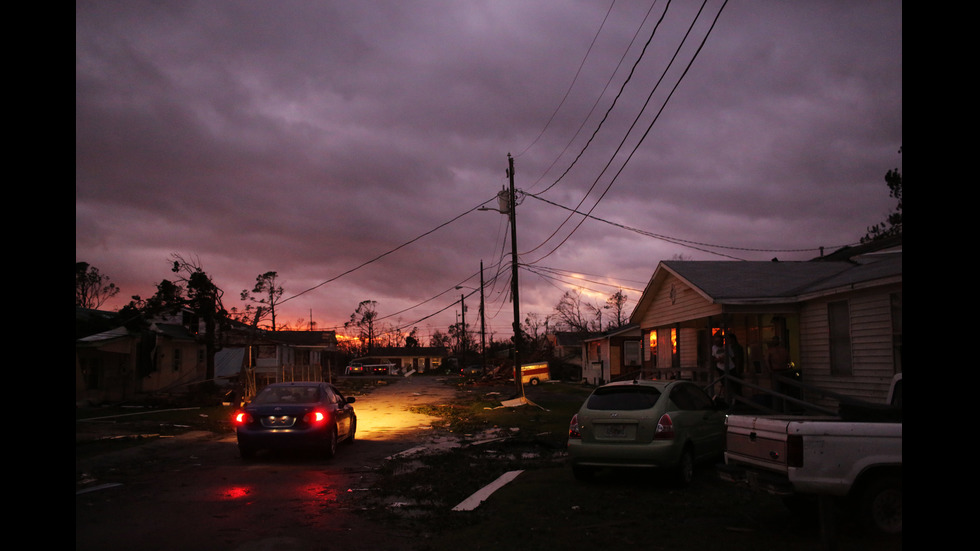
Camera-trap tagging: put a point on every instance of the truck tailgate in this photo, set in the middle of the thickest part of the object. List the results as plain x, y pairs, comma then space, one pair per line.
758, 441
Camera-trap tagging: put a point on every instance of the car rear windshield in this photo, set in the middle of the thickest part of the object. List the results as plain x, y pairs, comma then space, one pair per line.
288, 395
624, 398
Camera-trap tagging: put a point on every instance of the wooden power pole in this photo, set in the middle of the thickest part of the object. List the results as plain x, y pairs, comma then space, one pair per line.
514, 291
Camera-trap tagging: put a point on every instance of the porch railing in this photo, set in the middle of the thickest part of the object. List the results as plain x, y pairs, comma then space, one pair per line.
766, 400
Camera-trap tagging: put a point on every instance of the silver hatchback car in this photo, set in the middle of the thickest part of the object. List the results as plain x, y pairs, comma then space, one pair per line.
668, 425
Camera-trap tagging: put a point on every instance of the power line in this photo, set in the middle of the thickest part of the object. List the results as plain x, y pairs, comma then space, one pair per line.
619, 94
380, 256
649, 127
684, 242
572, 85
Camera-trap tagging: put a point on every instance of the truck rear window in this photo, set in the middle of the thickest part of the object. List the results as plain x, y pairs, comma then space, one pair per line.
623, 398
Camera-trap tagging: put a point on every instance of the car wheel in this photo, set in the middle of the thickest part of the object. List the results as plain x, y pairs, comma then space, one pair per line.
534, 382
684, 472
353, 430
881, 505
330, 447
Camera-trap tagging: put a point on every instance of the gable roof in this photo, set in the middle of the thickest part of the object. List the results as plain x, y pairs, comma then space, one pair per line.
770, 282
630, 329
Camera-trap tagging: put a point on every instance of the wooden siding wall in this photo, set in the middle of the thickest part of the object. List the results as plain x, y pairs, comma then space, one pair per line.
687, 304
164, 377
872, 365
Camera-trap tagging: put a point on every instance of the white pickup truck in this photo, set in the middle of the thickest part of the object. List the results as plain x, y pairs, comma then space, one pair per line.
855, 458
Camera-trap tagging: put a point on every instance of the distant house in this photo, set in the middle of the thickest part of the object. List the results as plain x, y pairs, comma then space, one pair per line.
125, 362
408, 358
840, 318
566, 353
255, 358
166, 355
612, 355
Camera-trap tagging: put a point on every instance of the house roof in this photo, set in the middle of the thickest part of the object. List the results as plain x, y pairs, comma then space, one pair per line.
727, 281
304, 338
573, 338
103, 337
735, 282
172, 330
627, 329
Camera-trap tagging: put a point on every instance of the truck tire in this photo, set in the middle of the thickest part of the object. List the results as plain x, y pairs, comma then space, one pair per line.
534, 381
880, 505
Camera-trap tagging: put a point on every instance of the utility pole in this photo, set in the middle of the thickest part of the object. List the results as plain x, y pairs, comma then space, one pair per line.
483, 326
462, 332
512, 211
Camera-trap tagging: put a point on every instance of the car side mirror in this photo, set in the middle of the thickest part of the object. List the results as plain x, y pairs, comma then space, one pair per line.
350, 400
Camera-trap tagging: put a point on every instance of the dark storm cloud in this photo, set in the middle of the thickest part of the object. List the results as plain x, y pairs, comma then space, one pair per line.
311, 138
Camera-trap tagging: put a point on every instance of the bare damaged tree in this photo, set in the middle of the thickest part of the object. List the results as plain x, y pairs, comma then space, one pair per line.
570, 312
892, 226
92, 289
616, 304
204, 299
363, 320
265, 296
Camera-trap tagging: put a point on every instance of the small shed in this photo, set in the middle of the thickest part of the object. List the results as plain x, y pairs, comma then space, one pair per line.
612, 355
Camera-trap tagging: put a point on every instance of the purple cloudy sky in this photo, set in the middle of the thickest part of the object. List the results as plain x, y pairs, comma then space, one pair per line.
346, 145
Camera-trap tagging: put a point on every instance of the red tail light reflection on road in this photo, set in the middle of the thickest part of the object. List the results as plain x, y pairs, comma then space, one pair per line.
236, 492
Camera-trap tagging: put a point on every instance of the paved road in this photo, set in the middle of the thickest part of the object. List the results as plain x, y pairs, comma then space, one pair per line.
194, 492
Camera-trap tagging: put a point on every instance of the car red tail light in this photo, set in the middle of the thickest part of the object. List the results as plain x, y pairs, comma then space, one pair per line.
665, 428
573, 428
241, 418
315, 417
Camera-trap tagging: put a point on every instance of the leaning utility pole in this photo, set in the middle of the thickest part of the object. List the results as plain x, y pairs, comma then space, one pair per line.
514, 295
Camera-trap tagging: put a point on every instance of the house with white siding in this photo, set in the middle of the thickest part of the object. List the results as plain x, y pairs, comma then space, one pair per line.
839, 316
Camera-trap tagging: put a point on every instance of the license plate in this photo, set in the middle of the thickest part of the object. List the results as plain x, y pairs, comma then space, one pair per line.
614, 431
281, 421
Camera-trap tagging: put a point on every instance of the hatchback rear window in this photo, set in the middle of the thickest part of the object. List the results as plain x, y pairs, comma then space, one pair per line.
623, 398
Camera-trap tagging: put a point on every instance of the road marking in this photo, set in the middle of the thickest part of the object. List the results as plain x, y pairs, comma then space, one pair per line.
479, 497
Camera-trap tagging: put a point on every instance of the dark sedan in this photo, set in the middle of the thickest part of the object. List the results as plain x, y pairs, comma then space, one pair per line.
297, 415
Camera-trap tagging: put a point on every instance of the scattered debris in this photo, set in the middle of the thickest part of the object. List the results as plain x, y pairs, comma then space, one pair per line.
97, 488
479, 497
522, 401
